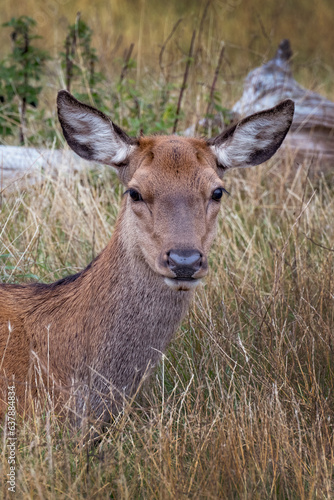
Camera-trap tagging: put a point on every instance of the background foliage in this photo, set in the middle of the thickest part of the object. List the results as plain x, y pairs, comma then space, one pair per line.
242, 404
129, 57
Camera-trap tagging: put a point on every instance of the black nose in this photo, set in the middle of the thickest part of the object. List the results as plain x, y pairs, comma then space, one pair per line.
184, 263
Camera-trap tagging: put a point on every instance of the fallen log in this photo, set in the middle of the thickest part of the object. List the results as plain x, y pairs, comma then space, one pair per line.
312, 131
18, 164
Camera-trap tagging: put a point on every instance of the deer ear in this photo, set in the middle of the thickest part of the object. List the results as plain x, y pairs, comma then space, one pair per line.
91, 134
254, 139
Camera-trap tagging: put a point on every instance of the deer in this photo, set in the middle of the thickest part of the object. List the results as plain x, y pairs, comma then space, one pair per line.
98, 333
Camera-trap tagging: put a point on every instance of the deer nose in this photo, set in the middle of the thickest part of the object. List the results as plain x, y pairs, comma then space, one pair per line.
184, 263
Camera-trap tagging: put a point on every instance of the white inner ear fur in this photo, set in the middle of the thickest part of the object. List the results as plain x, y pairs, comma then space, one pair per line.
98, 133
253, 135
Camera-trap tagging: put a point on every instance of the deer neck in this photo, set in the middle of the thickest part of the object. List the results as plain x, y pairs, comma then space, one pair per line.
136, 302
111, 324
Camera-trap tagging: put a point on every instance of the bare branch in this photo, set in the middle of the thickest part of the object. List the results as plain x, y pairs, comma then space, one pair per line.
184, 84
201, 26
318, 244
126, 62
163, 48
215, 78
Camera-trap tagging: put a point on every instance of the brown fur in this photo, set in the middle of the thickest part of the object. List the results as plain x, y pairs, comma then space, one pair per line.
97, 333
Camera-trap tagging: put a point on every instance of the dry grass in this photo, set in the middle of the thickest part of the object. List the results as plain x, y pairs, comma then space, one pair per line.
242, 404
251, 29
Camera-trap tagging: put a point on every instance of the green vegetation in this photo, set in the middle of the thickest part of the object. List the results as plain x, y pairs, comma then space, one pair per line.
242, 406
132, 107
79, 62
20, 72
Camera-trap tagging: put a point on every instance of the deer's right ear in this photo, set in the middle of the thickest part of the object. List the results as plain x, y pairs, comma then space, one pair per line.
91, 134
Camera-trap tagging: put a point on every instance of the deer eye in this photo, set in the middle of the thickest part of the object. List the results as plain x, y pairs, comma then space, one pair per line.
135, 196
217, 194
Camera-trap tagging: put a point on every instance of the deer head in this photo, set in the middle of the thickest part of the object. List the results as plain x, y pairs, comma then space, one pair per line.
173, 184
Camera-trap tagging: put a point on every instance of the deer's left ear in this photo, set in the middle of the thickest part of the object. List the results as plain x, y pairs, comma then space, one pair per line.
254, 139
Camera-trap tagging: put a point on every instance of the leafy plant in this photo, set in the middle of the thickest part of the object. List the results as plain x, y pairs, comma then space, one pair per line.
79, 61
139, 113
20, 73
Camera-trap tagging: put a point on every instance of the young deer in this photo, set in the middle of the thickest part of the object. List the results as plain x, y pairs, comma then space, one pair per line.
97, 333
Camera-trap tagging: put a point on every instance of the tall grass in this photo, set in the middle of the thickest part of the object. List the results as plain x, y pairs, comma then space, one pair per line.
241, 405
251, 28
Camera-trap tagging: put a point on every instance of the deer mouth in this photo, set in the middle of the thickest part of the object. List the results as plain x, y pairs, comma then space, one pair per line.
182, 284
